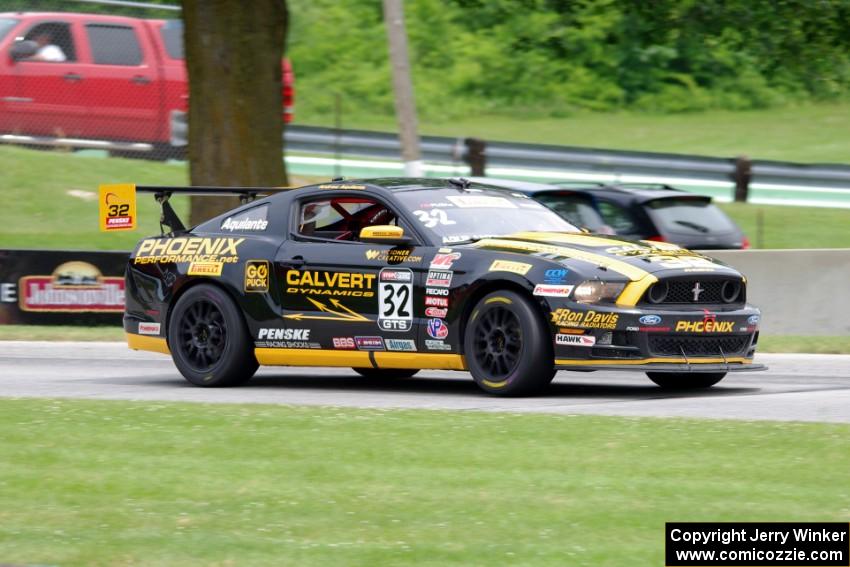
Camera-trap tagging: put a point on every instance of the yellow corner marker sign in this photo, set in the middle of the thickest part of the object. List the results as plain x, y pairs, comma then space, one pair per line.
117, 207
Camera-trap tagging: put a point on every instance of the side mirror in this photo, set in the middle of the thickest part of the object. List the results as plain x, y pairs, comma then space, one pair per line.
23, 49
384, 234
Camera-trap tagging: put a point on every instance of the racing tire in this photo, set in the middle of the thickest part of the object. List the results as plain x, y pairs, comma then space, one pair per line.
386, 373
508, 346
685, 380
208, 339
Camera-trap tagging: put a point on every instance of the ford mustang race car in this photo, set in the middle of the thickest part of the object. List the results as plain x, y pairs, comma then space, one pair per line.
390, 276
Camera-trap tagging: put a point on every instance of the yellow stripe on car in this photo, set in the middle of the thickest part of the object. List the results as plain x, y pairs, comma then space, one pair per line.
143, 342
632, 272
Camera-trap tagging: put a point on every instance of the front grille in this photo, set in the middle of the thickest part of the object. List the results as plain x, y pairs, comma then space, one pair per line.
674, 345
696, 292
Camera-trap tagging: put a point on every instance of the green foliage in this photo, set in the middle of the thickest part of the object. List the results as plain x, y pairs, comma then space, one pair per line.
556, 57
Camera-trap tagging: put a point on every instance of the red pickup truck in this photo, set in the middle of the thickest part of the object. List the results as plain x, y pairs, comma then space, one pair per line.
98, 77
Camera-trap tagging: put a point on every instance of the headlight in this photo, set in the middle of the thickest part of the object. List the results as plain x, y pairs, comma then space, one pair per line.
595, 291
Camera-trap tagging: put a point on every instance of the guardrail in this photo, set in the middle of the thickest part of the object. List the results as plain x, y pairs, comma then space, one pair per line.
382, 145
313, 150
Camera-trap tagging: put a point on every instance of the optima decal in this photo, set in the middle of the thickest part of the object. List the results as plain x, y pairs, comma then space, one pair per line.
584, 319
343, 284
184, 249
74, 287
439, 279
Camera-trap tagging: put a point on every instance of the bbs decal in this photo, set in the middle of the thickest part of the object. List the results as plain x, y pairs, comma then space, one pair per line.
395, 299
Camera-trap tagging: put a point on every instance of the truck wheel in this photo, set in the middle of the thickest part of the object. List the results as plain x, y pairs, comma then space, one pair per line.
508, 347
208, 339
385, 373
685, 380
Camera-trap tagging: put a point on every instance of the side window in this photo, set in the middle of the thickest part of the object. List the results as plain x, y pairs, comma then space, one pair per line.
618, 218
341, 218
114, 45
55, 42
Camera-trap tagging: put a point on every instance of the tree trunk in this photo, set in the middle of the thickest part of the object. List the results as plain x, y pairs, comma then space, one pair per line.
233, 57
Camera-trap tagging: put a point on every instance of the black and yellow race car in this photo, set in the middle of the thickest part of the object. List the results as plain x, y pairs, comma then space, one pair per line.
391, 276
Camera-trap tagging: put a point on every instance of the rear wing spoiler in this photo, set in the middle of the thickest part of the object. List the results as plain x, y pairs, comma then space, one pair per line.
118, 202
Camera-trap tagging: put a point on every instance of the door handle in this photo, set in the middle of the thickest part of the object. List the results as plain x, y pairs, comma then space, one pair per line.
72, 77
140, 80
294, 262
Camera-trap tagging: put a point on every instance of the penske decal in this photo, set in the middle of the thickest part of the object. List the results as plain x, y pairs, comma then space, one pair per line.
632, 272
188, 249
309, 282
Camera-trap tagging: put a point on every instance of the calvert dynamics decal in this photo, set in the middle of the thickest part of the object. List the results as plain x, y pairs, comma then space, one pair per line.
340, 284
584, 319
73, 287
188, 249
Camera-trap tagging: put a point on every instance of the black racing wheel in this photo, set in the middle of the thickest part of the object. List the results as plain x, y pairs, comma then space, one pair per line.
507, 345
685, 380
208, 339
386, 373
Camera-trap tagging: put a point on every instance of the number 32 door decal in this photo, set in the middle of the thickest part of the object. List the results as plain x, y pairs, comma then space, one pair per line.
395, 299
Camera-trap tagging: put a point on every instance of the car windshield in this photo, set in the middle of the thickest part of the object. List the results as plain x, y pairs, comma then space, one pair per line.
694, 216
6, 24
575, 208
455, 216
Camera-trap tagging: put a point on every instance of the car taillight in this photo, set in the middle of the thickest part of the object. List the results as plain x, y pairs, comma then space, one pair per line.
745, 245
656, 238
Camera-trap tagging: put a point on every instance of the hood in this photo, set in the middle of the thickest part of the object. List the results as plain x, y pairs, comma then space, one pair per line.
632, 259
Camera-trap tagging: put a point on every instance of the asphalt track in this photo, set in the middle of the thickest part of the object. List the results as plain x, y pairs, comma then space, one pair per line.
797, 387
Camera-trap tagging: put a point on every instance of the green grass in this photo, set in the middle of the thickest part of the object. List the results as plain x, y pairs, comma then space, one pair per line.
767, 343
108, 483
814, 133
800, 344
776, 226
60, 333
39, 212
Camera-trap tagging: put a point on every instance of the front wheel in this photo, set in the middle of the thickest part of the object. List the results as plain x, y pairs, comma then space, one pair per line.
208, 339
507, 345
685, 380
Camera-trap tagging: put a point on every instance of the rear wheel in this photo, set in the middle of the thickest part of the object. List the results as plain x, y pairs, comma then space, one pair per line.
385, 373
685, 380
208, 339
508, 347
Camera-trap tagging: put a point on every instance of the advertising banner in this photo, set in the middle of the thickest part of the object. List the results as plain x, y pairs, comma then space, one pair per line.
57, 287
